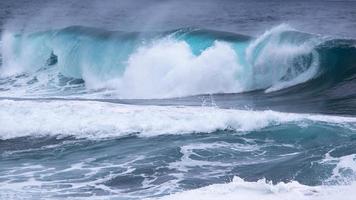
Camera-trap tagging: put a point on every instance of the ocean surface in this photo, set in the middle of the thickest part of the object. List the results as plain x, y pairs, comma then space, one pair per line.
165, 99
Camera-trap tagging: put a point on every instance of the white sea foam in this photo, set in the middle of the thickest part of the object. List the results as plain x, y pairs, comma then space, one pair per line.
169, 68
344, 171
92, 119
240, 189
340, 185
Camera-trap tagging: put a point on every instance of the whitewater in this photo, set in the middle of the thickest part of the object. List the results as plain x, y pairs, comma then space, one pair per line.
204, 100
155, 66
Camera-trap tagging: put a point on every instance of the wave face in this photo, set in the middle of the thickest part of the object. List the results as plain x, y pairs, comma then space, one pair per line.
169, 64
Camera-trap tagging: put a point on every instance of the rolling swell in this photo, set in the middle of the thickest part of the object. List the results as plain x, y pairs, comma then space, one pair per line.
282, 65
338, 58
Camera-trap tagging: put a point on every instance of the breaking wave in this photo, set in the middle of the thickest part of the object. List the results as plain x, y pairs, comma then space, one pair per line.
169, 64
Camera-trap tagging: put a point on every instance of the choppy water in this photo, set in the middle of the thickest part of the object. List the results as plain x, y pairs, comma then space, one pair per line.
167, 100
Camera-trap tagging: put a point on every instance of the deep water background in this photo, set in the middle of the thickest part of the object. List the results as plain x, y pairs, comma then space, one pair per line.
330, 18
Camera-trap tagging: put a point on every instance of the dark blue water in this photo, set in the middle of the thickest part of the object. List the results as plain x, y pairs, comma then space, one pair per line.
177, 99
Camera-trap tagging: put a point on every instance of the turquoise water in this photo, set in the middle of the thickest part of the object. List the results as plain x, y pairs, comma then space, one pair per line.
195, 103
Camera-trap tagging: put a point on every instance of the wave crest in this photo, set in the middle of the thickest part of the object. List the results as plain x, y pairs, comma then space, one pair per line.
171, 64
